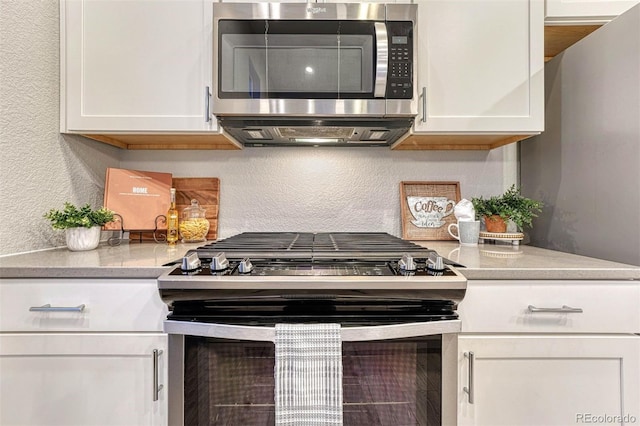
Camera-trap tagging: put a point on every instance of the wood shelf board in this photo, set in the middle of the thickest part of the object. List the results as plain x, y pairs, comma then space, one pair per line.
559, 37
457, 142
165, 141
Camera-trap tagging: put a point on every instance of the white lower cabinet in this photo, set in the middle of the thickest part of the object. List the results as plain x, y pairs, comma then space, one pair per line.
83, 379
549, 353
548, 379
82, 352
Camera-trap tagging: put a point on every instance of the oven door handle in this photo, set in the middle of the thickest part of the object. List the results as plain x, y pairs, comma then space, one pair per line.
349, 334
382, 59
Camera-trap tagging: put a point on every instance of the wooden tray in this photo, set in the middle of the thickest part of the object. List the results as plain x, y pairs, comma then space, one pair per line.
512, 237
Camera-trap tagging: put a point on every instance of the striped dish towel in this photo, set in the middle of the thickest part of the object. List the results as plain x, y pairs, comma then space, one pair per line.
308, 375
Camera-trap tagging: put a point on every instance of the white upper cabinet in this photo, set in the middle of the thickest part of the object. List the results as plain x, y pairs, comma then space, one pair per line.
481, 66
585, 11
138, 66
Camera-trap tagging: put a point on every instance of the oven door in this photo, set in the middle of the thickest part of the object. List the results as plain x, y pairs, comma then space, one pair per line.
392, 374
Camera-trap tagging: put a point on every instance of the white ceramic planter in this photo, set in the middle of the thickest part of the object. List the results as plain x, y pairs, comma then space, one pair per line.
80, 239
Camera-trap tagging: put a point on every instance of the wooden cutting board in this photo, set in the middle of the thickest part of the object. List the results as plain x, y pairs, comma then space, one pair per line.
204, 189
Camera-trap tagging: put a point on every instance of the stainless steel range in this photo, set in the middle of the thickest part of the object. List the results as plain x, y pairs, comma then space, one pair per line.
395, 301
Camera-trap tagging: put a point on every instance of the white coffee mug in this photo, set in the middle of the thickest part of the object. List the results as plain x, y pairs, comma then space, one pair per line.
467, 232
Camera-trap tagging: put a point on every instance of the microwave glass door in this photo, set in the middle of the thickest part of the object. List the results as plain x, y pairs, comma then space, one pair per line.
296, 59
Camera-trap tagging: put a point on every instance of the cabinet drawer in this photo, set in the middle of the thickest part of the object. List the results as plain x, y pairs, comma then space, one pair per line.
80, 305
503, 307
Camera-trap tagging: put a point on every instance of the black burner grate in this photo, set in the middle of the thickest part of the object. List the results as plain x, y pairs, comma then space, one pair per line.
306, 245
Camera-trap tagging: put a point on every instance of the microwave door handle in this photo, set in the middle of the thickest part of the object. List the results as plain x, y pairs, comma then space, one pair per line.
382, 59
349, 334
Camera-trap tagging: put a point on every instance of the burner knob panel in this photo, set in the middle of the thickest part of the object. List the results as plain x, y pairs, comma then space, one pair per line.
406, 263
219, 262
245, 266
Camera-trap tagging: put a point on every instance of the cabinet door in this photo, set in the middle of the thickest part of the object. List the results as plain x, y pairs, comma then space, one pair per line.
82, 379
135, 66
549, 380
585, 11
481, 66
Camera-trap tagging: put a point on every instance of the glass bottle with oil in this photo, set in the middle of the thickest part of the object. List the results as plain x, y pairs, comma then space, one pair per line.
172, 220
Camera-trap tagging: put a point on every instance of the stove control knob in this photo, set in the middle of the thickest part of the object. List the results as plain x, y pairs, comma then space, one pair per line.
406, 263
190, 262
219, 262
436, 267
245, 266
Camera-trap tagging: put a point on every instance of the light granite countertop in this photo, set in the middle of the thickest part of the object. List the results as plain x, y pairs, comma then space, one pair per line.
128, 260
500, 261
482, 262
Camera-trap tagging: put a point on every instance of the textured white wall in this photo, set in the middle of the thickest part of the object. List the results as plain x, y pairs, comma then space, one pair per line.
39, 168
353, 189
324, 189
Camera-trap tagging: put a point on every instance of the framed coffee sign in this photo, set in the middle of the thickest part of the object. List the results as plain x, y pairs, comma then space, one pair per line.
427, 209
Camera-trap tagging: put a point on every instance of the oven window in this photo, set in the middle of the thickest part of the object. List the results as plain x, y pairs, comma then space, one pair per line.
384, 382
294, 59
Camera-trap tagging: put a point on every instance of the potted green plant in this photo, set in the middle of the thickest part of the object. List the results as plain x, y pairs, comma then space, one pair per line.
82, 225
511, 205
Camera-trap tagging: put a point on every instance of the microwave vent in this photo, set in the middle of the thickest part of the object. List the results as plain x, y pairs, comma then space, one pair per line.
319, 131
257, 134
315, 132
376, 135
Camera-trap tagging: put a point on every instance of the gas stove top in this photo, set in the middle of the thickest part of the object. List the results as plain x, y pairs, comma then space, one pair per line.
306, 245
337, 265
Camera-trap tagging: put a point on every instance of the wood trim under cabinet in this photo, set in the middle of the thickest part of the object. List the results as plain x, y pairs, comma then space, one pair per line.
456, 142
164, 141
557, 38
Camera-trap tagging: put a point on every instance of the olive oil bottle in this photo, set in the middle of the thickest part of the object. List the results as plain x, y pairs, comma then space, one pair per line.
172, 220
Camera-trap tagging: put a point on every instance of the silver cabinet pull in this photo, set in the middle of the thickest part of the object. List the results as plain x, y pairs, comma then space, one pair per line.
49, 308
563, 310
157, 387
469, 389
207, 101
424, 104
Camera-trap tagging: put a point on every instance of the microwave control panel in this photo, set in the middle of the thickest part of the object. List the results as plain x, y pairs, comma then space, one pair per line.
400, 71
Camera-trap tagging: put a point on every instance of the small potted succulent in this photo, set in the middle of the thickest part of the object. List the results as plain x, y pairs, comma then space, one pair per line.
511, 205
82, 225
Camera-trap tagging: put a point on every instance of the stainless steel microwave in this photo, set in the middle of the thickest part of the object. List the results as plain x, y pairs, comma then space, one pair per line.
319, 60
